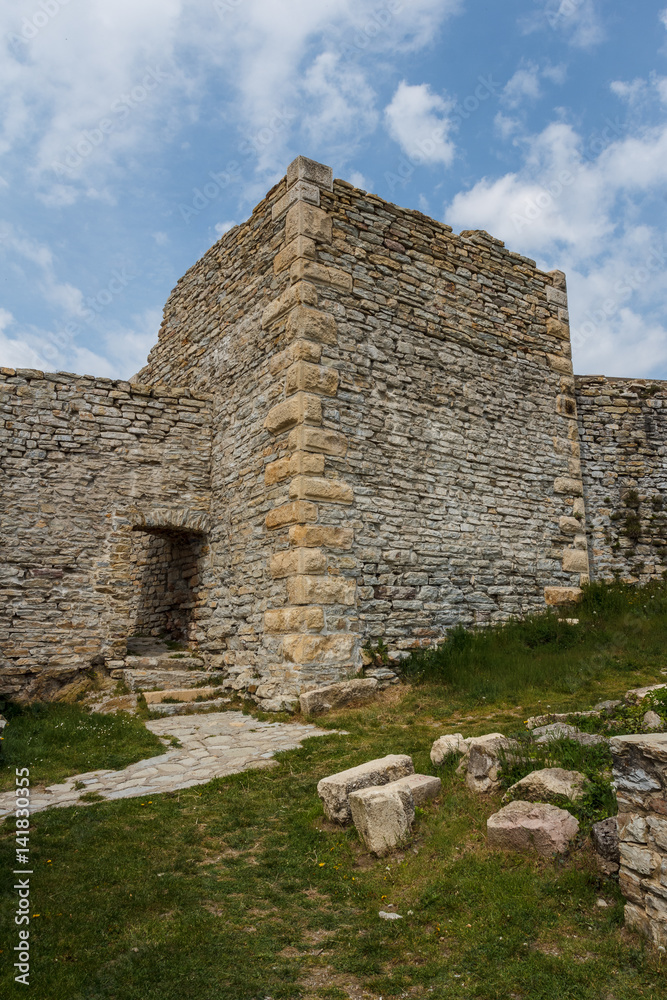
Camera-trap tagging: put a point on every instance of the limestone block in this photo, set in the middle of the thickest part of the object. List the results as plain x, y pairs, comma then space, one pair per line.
301, 294
531, 826
298, 350
483, 763
446, 745
311, 378
424, 787
311, 324
635, 695
569, 525
294, 561
324, 490
304, 169
301, 408
308, 438
300, 247
301, 191
632, 827
275, 472
320, 535
308, 220
383, 817
562, 595
557, 296
566, 406
559, 279
296, 512
548, 784
565, 484
335, 789
301, 619
575, 561
331, 696
658, 831
180, 694
652, 721
559, 363
638, 858
556, 328
560, 730
309, 270
321, 590
321, 649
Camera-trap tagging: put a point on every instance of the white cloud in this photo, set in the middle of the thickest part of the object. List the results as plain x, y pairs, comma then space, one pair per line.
417, 119
582, 214
339, 100
663, 16
629, 92
505, 125
223, 227
19, 248
358, 180
578, 20
524, 84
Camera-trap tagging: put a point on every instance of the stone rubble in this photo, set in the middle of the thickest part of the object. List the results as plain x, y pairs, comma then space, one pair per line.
605, 843
444, 746
482, 764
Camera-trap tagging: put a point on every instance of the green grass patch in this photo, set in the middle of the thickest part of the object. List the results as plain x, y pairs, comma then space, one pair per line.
56, 741
619, 629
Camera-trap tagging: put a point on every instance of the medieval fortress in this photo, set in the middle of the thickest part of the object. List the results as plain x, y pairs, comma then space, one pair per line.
355, 425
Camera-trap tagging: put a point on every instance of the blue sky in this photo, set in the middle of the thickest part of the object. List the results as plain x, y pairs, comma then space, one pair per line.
133, 134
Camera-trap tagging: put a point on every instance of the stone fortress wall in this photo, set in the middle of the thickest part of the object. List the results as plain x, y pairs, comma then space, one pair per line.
374, 434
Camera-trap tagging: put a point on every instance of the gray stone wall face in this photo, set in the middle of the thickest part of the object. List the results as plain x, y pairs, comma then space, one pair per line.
640, 777
83, 462
623, 429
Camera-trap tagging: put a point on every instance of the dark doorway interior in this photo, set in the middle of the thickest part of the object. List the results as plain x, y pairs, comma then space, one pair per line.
165, 577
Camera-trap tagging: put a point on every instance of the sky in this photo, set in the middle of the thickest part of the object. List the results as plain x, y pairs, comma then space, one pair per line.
133, 134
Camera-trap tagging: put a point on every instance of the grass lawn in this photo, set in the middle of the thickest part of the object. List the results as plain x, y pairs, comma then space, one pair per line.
240, 890
57, 741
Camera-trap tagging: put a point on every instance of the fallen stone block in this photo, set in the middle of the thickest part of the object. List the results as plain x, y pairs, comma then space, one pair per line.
483, 762
332, 696
383, 816
559, 731
424, 788
543, 720
335, 789
547, 784
532, 826
606, 845
446, 745
635, 695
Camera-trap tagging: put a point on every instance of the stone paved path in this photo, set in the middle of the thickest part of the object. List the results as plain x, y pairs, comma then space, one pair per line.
212, 745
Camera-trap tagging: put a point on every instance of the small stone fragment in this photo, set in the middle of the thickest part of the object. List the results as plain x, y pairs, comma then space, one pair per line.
335, 789
652, 721
383, 816
607, 706
389, 916
530, 826
446, 745
546, 784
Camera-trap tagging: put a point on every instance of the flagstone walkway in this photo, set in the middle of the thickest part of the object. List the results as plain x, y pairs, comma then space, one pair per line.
212, 746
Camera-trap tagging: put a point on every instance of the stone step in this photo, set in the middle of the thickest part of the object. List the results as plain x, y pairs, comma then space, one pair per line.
157, 680
182, 694
166, 661
189, 707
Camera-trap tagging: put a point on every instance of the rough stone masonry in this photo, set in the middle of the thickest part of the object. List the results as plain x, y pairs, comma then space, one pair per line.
355, 424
